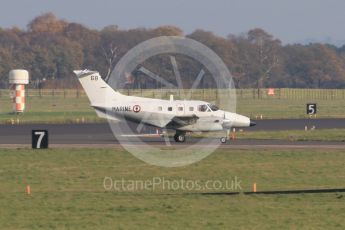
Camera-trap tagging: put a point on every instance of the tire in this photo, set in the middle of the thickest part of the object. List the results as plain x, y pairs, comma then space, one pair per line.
175, 138
223, 140
179, 138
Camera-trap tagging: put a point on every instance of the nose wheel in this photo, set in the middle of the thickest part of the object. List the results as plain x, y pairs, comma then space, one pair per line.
223, 140
180, 137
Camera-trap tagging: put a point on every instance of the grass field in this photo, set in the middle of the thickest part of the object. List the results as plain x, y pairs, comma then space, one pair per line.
73, 106
50, 110
74, 110
68, 191
287, 108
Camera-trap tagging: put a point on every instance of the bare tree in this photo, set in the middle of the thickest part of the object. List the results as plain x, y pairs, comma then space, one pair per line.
265, 55
267, 59
110, 56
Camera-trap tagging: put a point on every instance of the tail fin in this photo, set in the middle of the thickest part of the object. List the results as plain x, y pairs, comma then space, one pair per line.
96, 89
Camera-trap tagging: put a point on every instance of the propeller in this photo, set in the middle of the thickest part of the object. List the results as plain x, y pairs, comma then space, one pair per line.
226, 122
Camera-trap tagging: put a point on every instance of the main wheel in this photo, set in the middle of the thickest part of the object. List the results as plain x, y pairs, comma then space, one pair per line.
180, 137
223, 140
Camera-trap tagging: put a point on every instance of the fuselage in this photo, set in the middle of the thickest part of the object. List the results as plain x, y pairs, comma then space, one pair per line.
192, 115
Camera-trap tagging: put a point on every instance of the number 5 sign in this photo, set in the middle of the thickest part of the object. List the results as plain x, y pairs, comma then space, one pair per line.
39, 139
311, 109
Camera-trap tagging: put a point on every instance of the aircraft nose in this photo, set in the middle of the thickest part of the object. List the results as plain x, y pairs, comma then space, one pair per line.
252, 123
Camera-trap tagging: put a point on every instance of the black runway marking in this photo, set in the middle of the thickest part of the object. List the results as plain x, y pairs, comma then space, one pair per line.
303, 191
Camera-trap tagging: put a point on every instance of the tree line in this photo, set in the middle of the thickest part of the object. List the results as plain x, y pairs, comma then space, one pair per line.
51, 48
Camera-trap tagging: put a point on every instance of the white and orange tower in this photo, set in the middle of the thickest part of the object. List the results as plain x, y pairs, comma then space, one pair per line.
18, 79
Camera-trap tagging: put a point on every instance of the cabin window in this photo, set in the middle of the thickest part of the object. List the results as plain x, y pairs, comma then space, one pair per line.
160, 108
202, 108
191, 108
180, 108
169, 108
213, 107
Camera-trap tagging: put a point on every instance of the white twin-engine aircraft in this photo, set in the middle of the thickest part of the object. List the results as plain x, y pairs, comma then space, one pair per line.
180, 115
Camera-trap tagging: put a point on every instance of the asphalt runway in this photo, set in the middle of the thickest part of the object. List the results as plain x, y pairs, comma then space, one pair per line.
298, 124
100, 135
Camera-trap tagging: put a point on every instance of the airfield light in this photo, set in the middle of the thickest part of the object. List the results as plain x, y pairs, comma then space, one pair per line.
28, 190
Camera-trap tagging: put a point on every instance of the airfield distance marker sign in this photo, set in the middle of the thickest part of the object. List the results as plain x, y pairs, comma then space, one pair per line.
311, 109
39, 139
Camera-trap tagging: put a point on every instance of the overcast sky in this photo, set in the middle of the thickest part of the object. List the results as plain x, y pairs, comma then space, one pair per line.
289, 20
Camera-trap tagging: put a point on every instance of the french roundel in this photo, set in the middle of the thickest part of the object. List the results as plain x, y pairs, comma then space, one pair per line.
136, 108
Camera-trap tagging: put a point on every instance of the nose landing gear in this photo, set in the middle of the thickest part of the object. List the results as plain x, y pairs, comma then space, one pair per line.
223, 140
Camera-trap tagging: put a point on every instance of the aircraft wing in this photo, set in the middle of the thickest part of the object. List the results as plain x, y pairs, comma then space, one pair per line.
179, 121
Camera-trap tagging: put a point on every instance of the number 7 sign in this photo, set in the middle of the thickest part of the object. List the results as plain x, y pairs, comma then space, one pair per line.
39, 139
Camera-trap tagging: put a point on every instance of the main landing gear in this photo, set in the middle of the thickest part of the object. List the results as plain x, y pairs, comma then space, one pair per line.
180, 136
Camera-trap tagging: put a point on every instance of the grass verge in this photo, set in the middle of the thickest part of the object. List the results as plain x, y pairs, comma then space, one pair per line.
68, 191
49, 109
